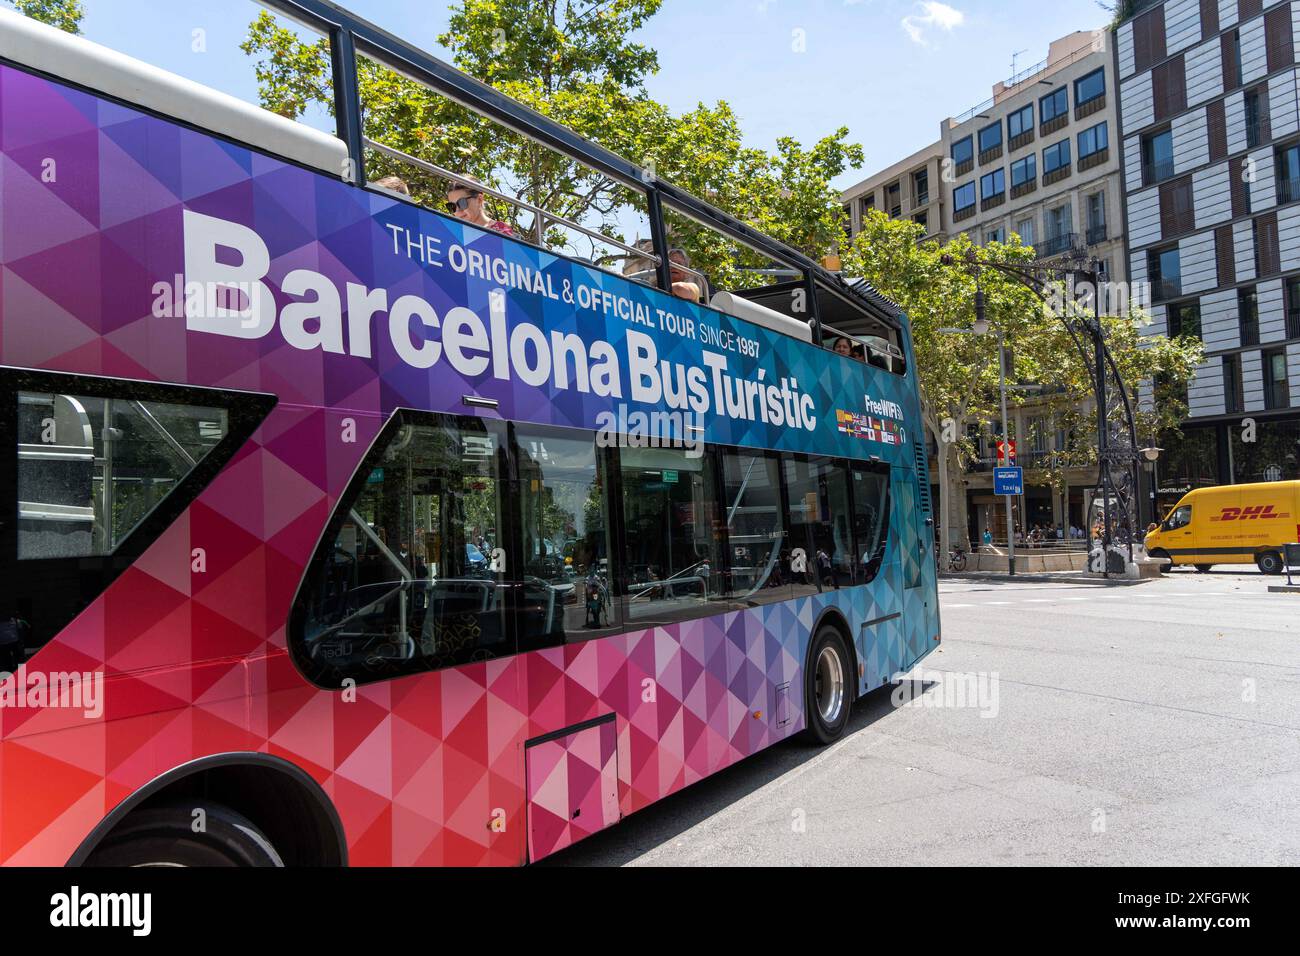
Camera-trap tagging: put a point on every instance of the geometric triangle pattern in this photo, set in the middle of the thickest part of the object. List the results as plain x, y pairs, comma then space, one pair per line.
572, 787
426, 769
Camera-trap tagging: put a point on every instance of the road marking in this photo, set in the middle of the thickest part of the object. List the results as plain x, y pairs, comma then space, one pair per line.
996, 602
1039, 600
959, 605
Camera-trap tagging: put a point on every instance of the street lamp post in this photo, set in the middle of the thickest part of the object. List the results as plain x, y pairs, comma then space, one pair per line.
1117, 477
981, 327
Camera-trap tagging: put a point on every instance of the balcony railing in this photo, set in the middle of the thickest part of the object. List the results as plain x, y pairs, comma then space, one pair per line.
1021, 139
1256, 132
1162, 290
1056, 175
1288, 190
1153, 173
1096, 234
1094, 105
1095, 158
1021, 189
1055, 245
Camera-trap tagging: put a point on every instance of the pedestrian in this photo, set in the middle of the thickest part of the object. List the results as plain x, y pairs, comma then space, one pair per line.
988, 538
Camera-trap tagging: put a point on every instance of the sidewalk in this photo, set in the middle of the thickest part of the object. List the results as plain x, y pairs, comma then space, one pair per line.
1046, 577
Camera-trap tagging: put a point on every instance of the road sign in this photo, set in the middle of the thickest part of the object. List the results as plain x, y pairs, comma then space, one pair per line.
1006, 452
1008, 481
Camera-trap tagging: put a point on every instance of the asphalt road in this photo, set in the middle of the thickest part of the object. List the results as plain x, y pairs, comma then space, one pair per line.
1154, 724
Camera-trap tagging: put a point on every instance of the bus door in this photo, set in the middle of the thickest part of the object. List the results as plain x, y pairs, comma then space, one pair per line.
913, 543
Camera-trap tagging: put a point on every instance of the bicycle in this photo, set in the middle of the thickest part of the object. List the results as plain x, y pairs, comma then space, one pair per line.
956, 560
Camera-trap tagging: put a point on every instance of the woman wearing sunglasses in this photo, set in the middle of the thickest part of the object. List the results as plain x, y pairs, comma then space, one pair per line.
466, 203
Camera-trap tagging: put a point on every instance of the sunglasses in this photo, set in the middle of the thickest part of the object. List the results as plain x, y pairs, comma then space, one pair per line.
460, 204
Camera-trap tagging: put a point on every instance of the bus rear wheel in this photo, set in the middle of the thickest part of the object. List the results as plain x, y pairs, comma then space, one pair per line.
1204, 568
167, 836
1270, 562
828, 687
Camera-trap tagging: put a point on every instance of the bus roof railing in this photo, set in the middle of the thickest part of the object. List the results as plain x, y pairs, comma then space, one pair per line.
350, 35
543, 218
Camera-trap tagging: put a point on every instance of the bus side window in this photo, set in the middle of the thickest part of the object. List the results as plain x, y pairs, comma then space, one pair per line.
564, 527
672, 567
870, 518
414, 573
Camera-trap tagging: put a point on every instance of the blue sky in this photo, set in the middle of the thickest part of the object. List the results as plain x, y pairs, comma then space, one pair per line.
890, 70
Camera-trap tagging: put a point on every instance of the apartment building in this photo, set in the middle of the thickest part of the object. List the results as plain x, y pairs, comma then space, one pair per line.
908, 189
1210, 133
1039, 158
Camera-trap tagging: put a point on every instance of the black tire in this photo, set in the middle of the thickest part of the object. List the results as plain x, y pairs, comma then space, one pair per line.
1269, 562
959, 562
164, 836
828, 709
1203, 568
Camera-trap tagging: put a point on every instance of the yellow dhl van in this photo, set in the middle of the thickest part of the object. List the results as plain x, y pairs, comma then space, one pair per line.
1230, 524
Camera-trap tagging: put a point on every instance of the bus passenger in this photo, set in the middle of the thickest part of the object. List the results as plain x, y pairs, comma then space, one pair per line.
467, 204
394, 184
684, 284
843, 347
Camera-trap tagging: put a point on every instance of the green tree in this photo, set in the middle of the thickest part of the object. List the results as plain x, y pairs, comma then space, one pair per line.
573, 61
958, 374
64, 14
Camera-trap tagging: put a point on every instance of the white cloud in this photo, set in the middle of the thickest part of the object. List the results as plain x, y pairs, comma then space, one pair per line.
933, 16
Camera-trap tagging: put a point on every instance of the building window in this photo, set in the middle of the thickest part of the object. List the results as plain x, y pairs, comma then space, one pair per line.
1255, 115
994, 235
1248, 315
1164, 271
1058, 237
1293, 308
921, 186
1025, 230
922, 219
963, 197
1056, 156
1287, 169
1054, 104
1096, 203
1088, 88
990, 137
1184, 319
1233, 395
1157, 156
963, 151
1024, 171
1276, 394
893, 199
1092, 140
993, 184
1021, 122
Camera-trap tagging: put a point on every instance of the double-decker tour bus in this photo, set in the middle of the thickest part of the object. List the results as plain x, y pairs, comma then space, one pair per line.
338, 529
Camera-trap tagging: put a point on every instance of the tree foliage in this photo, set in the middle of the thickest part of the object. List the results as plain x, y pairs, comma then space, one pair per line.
573, 61
64, 14
959, 373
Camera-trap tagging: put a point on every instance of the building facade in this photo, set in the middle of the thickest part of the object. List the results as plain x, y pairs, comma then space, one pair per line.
1038, 159
1210, 133
909, 189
